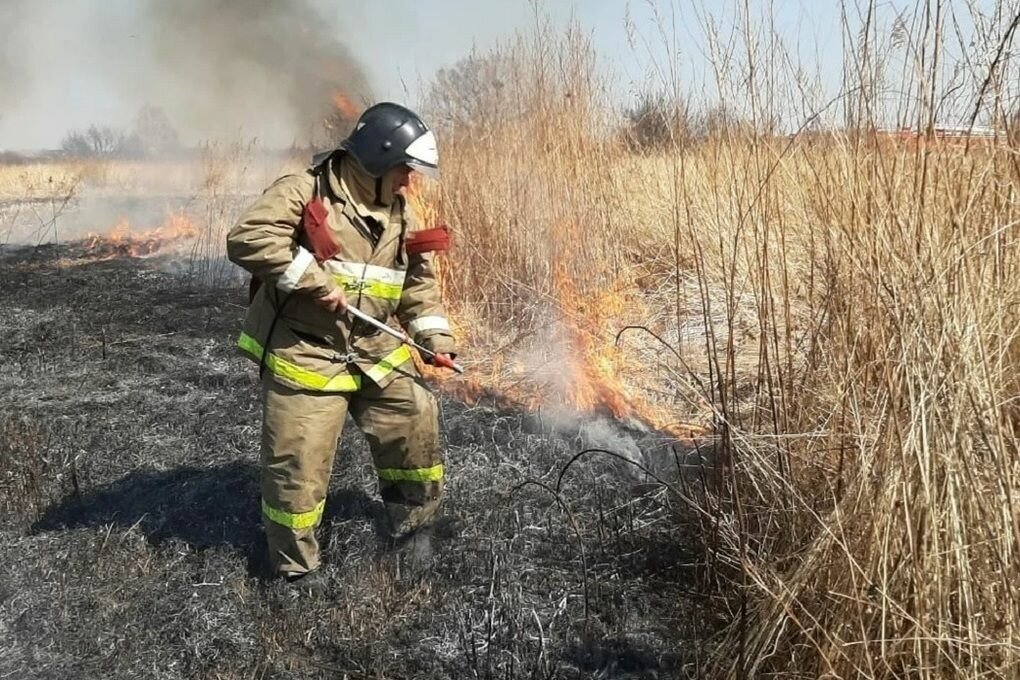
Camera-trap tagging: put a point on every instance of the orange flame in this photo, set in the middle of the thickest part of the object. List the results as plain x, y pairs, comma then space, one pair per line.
589, 378
586, 372
597, 365
120, 241
347, 108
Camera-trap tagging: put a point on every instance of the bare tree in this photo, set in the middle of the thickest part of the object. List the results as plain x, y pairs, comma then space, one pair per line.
720, 121
100, 141
472, 88
658, 121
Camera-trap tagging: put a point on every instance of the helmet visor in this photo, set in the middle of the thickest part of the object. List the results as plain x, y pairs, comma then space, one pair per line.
423, 155
427, 170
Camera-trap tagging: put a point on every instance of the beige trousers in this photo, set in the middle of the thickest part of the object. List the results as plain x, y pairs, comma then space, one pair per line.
300, 430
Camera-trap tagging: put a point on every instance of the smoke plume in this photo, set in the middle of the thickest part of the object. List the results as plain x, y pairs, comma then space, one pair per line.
218, 69
253, 58
15, 23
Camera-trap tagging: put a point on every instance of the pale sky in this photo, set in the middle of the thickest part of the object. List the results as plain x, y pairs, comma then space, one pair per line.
64, 63
436, 33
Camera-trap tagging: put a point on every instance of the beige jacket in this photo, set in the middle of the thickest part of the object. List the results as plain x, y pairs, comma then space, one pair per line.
312, 348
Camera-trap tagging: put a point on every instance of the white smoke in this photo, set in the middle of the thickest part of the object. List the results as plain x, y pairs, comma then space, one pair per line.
222, 69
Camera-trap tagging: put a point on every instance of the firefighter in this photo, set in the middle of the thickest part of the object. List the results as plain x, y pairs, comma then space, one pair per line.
340, 233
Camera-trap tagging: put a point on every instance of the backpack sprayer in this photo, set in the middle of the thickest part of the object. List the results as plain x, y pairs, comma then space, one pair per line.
437, 359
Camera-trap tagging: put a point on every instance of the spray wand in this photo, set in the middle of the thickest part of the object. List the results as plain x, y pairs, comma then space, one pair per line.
437, 359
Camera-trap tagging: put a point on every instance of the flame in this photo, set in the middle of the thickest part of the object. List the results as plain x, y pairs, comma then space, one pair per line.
584, 369
121, 241
596, 364
425, 204
345, 106
587, 370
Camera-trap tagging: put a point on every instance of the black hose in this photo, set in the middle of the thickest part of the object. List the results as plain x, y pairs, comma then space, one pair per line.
269, 335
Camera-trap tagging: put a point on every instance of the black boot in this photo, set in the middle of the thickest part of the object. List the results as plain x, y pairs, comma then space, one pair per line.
447, 526
312, 583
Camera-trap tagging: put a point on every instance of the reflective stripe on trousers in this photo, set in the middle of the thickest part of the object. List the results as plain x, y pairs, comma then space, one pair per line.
311, 518
429, 474
294, 520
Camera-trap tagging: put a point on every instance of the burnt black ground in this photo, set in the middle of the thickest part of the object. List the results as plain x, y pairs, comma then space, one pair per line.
131, 537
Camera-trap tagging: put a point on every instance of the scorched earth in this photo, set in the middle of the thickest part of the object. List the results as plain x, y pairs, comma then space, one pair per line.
132, 539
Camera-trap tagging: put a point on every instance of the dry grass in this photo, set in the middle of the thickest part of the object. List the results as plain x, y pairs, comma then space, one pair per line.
38, 181
867, 522
53, 179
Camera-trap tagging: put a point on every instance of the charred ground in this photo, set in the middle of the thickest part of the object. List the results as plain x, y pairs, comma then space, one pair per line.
132, 542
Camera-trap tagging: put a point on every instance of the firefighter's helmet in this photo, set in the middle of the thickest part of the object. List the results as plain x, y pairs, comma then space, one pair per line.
388, 135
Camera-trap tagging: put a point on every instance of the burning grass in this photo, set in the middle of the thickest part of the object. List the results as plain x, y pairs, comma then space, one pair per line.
574, 360
572, 357
121, 241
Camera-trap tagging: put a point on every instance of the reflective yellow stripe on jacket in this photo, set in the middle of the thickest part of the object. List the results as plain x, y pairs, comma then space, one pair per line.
368, 279
321, 383
389, 362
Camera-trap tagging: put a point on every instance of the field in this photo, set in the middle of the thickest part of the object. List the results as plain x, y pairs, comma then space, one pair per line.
740, 402
133, 543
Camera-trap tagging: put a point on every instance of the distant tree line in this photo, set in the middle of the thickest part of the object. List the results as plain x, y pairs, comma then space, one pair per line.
660, 121
477, 88
153, 135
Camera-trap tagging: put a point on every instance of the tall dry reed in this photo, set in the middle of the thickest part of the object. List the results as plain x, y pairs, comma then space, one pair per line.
856, 297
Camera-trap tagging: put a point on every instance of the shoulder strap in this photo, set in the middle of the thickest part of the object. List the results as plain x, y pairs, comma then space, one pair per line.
314, 221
